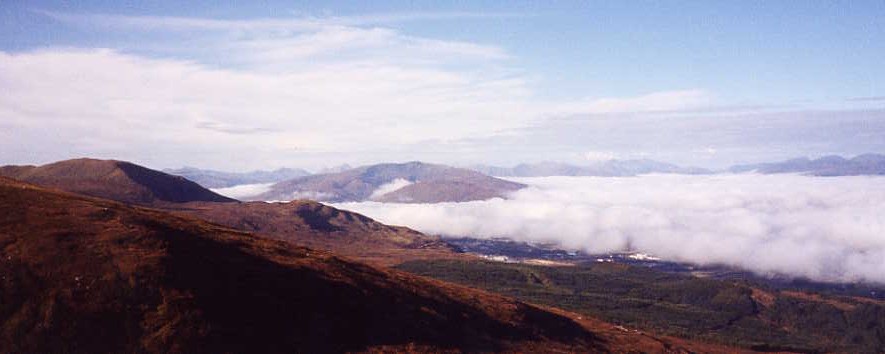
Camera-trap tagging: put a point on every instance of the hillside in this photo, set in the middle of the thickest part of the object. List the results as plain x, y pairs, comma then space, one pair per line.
220, 179
867, 164
738, 313
86, 275
311, 224
412, 182
117, 180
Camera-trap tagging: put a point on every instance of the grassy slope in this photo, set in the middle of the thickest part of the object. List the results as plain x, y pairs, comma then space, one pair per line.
733, 313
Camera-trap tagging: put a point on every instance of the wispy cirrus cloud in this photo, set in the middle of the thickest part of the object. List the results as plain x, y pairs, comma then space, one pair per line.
294, 23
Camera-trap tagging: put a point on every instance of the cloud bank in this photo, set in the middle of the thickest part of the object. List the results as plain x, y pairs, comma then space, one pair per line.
244, 190
392, 186
826, 229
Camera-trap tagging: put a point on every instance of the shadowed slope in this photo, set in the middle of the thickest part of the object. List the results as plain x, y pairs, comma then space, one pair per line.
117, 180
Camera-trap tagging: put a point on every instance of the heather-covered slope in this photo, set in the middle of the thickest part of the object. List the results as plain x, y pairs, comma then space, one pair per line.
314, 225
741, 313
118, 180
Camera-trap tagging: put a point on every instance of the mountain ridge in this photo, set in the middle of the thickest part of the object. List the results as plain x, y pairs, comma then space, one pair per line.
831, 165
112, 179
423, 183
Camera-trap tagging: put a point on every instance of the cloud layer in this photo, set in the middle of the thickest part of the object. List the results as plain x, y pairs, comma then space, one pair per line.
244, 190
827, 229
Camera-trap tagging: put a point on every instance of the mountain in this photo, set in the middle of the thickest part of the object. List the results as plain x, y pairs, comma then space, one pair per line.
117, 180
610, 168
303, 223
86, 275
867, 164
219, 179
412, 182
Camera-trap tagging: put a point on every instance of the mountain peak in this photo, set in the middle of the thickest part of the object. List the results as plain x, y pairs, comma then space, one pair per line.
112, 179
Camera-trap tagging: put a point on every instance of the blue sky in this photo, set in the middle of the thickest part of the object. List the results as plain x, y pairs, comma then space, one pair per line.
311, 84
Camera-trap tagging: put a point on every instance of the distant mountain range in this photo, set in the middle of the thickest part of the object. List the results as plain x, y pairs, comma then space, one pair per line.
611, 168
866, 164
219, 179
412, 182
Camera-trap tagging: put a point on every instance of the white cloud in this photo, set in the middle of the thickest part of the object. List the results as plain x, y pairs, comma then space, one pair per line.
295, 23
96, 101
827, 229
335, 44
266, 93
243, 191
389, 187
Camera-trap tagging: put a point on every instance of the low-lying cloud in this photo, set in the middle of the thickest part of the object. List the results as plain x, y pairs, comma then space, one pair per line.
826, 229
389, 187
243, 191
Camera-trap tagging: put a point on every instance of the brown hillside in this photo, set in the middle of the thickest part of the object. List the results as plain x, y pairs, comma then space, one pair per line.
116, 180
311, 224
87, 275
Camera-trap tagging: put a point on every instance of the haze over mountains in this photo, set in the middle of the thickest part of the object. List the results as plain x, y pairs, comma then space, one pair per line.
412, 182
866, 164
610, 168
219, 179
